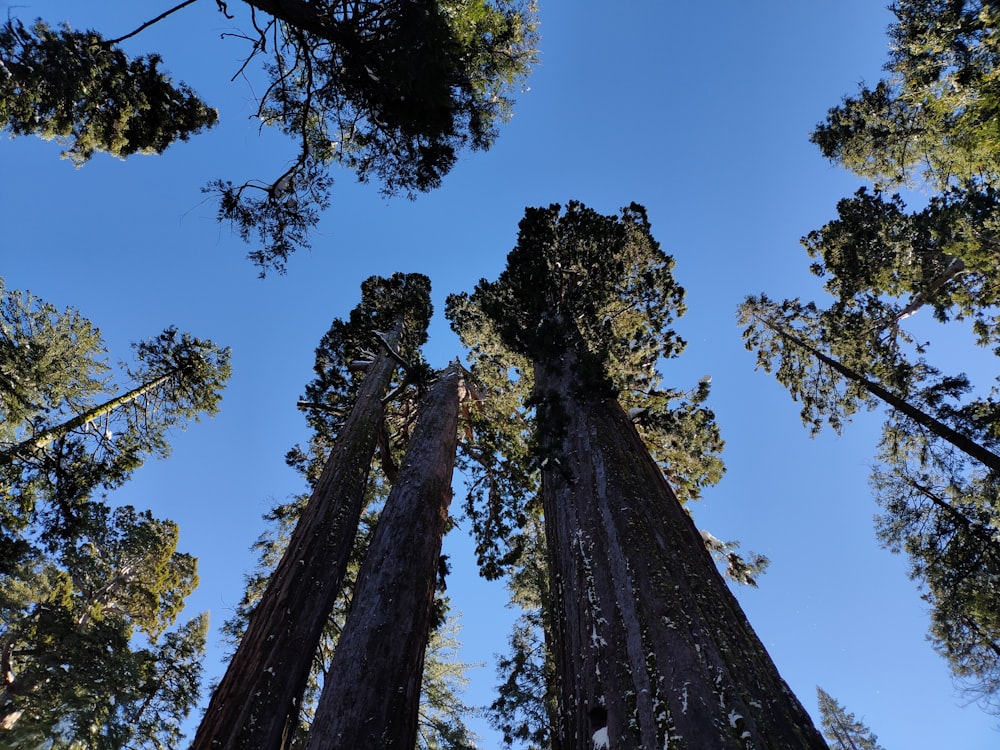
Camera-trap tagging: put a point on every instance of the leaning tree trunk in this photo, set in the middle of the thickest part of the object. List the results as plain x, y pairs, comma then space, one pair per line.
970, 447
51, 434
256, 705
651, 647
371, 692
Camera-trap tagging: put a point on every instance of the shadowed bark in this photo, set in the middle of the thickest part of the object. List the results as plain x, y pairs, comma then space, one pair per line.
256, 705
651, 645
371, 692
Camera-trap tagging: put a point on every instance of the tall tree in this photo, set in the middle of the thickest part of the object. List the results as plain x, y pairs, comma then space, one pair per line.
257, 702
650, 647
943, 510
391, 616
392, 90
841, 728
935, 478
929, 124
84, 654
58, 446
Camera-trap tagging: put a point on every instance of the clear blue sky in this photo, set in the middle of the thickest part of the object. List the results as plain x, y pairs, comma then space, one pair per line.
699, 111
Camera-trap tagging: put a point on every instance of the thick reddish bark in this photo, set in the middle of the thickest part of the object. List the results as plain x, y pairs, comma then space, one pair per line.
371, 692
647, 636
255, 707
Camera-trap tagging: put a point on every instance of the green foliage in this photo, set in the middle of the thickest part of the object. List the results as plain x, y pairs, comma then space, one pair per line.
59, 442
83, 91
47, 357
943, 510
884, 263
934, 118
495, 456
841, 728
786, 337
87, 592
85, 656
604, 275
392, 90
604, 279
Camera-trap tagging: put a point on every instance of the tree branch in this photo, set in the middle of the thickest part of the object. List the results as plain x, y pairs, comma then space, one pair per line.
184, 4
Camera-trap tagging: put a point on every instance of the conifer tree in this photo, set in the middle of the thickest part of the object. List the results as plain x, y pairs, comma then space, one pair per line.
393, 90
936, 473
85, 656
841, 728
650, 648
928, 124
258, 700
88, 592
392, 612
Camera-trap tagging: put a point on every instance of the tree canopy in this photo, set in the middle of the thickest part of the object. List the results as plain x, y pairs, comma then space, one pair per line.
392, 90
91, 592
930, 124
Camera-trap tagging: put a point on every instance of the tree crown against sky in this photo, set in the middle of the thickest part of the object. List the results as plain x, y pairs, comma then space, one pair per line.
70, 430
610, 278
930, 124
90, 591
391, 90
583, 311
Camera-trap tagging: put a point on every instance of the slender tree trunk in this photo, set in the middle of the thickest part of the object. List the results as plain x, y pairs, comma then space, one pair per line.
976, 530
44, 438
651, 647
371, 692
943, 431
256, 705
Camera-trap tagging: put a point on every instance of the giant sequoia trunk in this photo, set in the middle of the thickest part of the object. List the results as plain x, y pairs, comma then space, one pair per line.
256, 704
650, 645
371, 692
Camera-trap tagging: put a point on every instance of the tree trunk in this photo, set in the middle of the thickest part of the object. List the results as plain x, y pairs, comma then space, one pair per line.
969, 447
651, 648
256, 705
371, 692
47, 436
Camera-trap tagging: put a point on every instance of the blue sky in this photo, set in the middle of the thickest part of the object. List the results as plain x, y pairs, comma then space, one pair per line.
699, 111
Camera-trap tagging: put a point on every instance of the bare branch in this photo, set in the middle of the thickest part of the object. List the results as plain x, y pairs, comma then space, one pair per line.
146, 25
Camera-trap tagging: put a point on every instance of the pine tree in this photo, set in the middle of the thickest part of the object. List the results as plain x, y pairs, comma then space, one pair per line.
392, 90
649, 645
929, 124
66, 433
257, 702
841, 728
